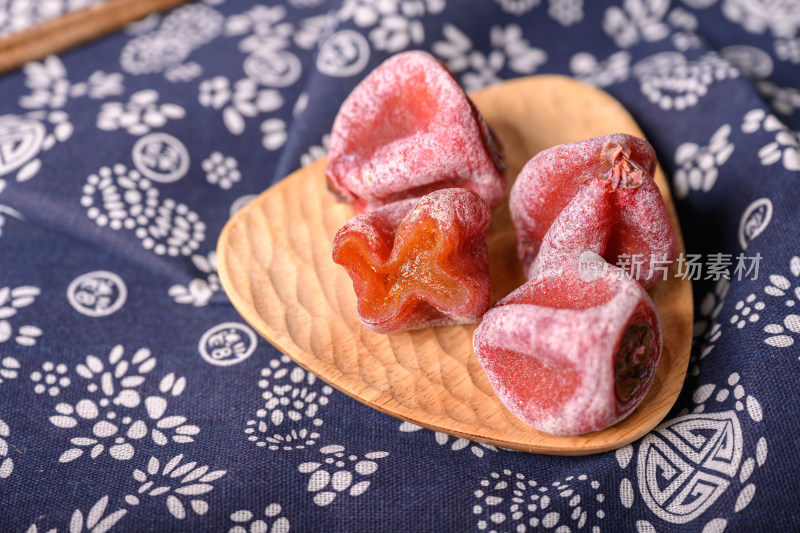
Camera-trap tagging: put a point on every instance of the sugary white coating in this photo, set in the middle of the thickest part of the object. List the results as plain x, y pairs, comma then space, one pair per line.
407, 129
619, 168
580, 343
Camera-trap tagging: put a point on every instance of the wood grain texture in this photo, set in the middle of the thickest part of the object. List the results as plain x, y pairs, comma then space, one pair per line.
74, 28
276, 267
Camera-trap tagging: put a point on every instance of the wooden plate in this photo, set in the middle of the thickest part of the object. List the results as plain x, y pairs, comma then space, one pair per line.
275, 264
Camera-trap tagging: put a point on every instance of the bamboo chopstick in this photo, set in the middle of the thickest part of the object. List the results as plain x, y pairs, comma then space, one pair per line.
74, 28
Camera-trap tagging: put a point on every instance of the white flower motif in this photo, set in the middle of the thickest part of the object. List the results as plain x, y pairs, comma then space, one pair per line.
458, 443
200, 290
183, 73
6, 463
180, 482
566, 12
274, 133
516, 502
781, 287
780, 17
784, 100
267, 29
181, 32
316, 151
121, 198
509, 49
292, 397
9, 368
214, 92
274, 523
11, 301
747, 311
111, 412
312, 31
343, 478
788, 50
616, 68
670, 81
396, 33
397, 23
707, 330
786, 146
517, 7
51, 379
221, 170
699, 166
139, 115
50, 87
96, 521
637, 20
246, 100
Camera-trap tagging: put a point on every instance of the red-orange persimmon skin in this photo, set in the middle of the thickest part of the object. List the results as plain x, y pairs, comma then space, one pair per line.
408, 129
614, 173
419, 263
570, 356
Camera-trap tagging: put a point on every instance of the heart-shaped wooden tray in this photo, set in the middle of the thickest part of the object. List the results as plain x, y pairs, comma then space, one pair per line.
275, 265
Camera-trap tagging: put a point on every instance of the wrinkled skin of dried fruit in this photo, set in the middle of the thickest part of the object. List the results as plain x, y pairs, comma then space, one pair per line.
569, 356
419, 263
620, 210
408, 129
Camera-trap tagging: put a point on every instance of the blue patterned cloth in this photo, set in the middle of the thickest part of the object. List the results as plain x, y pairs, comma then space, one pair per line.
133, 397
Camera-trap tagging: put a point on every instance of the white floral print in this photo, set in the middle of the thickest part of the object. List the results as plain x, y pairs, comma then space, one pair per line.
274, 133
11, 301
699, 166
781, 17
350, 474
182, 31
707, 330
290, 415
788, 50
518, 7
139, 115
397, 23
9, 368
50, 379
784, 100
123, 199
669, 80
509, 501
200, 290
614, 69
566, 12
243, 100
51, 89
264, 26
97, 520
182, 483
476, 69
221, 170
454, 443
316, 151
112, 416
272, 521
637, 20
782, 335
784, 148
19, 15
6, 463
